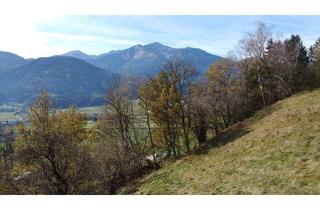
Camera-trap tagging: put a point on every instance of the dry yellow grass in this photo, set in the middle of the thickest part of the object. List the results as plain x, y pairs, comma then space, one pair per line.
277, 151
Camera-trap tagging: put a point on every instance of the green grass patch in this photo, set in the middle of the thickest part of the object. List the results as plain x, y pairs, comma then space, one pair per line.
91, 124
7, 116
91, 110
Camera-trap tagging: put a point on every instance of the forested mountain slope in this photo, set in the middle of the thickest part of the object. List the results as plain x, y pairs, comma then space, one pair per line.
277, 151
9, 61
69, 80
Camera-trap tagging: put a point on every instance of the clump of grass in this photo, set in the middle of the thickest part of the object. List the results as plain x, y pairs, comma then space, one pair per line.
277, 151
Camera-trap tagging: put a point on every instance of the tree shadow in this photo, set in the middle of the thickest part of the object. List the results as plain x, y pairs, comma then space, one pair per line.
266, 112
237, 130
229, 135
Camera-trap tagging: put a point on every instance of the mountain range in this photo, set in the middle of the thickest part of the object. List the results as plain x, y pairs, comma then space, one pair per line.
76, 78
146, 59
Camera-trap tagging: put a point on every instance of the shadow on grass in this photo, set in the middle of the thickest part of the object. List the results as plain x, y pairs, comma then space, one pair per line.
266, 112
232, 133
237, 130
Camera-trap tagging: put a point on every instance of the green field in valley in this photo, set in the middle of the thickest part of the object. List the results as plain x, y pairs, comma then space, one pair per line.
4, 116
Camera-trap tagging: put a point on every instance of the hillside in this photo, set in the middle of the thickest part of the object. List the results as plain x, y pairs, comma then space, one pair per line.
9, 61
277, 151
69, 80
146, 59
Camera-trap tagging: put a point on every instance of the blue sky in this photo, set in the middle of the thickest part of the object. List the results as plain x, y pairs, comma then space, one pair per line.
100, 34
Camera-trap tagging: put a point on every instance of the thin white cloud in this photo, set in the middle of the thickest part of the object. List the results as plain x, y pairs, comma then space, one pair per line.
286, 23
70, 37
124, 42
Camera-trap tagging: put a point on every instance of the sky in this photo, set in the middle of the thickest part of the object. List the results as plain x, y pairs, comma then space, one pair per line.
33, 37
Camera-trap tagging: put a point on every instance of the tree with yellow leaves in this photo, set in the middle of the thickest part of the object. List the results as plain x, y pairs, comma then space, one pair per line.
168, 100
54, 149
224, 89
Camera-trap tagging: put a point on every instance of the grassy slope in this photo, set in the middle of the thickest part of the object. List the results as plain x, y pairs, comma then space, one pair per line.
277, 151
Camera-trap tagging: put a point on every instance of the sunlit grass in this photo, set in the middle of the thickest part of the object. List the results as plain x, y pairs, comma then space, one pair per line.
91, 110
7, 116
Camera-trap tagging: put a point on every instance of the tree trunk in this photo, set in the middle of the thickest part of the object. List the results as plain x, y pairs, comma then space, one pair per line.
151, 140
